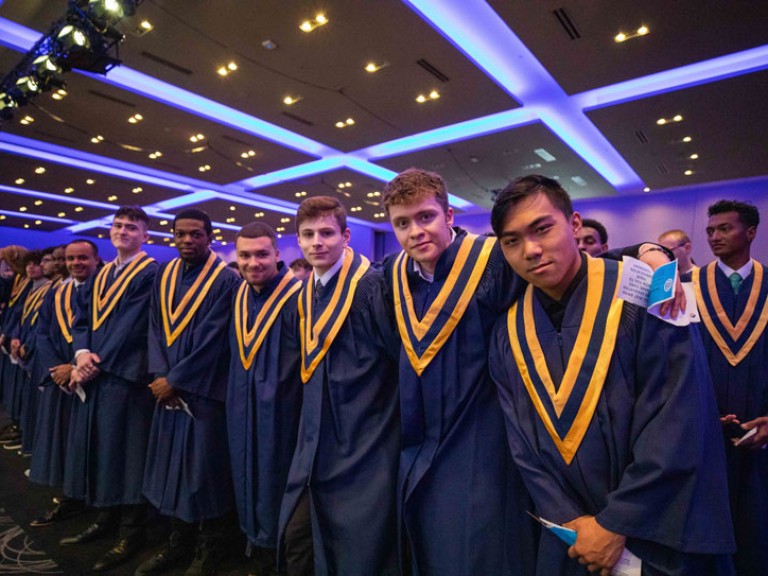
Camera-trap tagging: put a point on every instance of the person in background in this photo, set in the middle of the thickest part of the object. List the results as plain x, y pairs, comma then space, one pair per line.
301, 268
593, 238
678, 242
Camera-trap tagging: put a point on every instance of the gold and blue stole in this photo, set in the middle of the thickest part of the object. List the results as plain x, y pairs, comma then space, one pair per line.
567, 411
105, 299
176, 318
317, 336
734, 341
19, 285
249, 335
62, 303
33, 302
449, 306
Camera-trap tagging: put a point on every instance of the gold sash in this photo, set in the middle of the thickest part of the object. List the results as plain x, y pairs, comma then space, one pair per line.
199, 290
587, 365
104, 301
265, 318
63, 306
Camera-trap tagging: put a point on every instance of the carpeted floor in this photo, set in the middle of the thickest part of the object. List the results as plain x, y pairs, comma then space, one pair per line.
27, 550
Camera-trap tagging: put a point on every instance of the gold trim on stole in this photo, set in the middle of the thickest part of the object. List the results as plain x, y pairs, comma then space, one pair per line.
311, 332
34, 301
105, 301
65, 322
19, 285
734, 331
245, 336
559, 398
421, 328
168, 312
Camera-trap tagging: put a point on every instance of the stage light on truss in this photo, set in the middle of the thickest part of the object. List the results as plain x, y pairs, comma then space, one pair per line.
106, 10
72, 38
46, 65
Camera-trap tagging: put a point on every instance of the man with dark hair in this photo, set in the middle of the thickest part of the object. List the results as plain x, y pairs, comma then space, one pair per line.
732, 296
610, 413
345, 463
188, 475
53, 452
301, 268
264, 394
593, 238
678, 242
109, 338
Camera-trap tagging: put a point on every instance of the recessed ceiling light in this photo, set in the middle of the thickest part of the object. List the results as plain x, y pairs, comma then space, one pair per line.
137, 190
688, 172
22, 208
38, 222
280, 229
433, 95
248, 154
135, 119
78, 209
373, 67
60, 94
694, 156
62, 214
646, 189
111, 198
258, 214
155, 155
675, 118
19, 181
284, 220
300, 194
26, 225
68, 190
379, 215
232, 66
345, 123
2, 216
233, 208
687, 139
204, 168
146, 25
38, 202
166, 239
40, 170
90, 181
356, 208
196, 138
291, 100
97, 139
27, 120
231, 219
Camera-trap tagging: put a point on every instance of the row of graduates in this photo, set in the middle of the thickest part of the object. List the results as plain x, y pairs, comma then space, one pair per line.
400, 449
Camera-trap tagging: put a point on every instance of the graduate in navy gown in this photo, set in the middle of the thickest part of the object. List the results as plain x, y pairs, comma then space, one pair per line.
109, 338
58, 405
188, 475
23, 348
462, 500
732, 296
610, 413
345, 463
14, 257
264, 394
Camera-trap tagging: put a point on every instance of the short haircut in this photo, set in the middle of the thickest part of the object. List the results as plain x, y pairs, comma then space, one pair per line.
601, 231
679, 236
319, 206
524, 187
48, 250
300, 263
258, 230
94, 248
414, 185
195, 214
135, 213
33, 256
748, 214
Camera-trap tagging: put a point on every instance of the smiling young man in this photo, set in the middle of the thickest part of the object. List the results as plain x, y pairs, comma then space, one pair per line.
264, 393
449, 288
110, 341
188, 471
53, 454
610, 412
732, 295
345, 463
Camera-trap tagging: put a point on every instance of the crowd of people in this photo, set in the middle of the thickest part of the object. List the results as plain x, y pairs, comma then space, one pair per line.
403, 417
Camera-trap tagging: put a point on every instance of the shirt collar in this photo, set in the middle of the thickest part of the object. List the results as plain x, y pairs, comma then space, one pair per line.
744, 271
331, 272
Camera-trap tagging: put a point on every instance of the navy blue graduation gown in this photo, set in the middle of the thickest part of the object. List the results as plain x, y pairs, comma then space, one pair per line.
12, 372
117, 413
188, 473
462, 500
650, 466
743, 390
55, 406
263, 409
349, 439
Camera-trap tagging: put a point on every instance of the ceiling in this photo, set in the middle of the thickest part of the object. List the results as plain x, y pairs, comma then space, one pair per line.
523, 87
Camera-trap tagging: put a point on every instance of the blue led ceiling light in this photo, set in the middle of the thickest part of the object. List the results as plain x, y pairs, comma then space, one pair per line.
55, 197
28, 216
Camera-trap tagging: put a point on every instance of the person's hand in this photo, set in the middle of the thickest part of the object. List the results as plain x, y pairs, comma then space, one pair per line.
596, 548
651, 255
15, 345
760, 439
87, 368
61, 374
729, 419
22, 352
163, 391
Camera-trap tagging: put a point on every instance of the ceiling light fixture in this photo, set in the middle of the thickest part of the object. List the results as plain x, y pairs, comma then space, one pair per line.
40, 170
688, 172
291, 100
433, 95
137, 190
675, 118
623, 37
19, 181
373, 67
68, 190
310, 25
300, 194
90, 181
687, 139
135, 119
60, 94
694, 156
345, 123
196, 137
248, 154
27, 120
